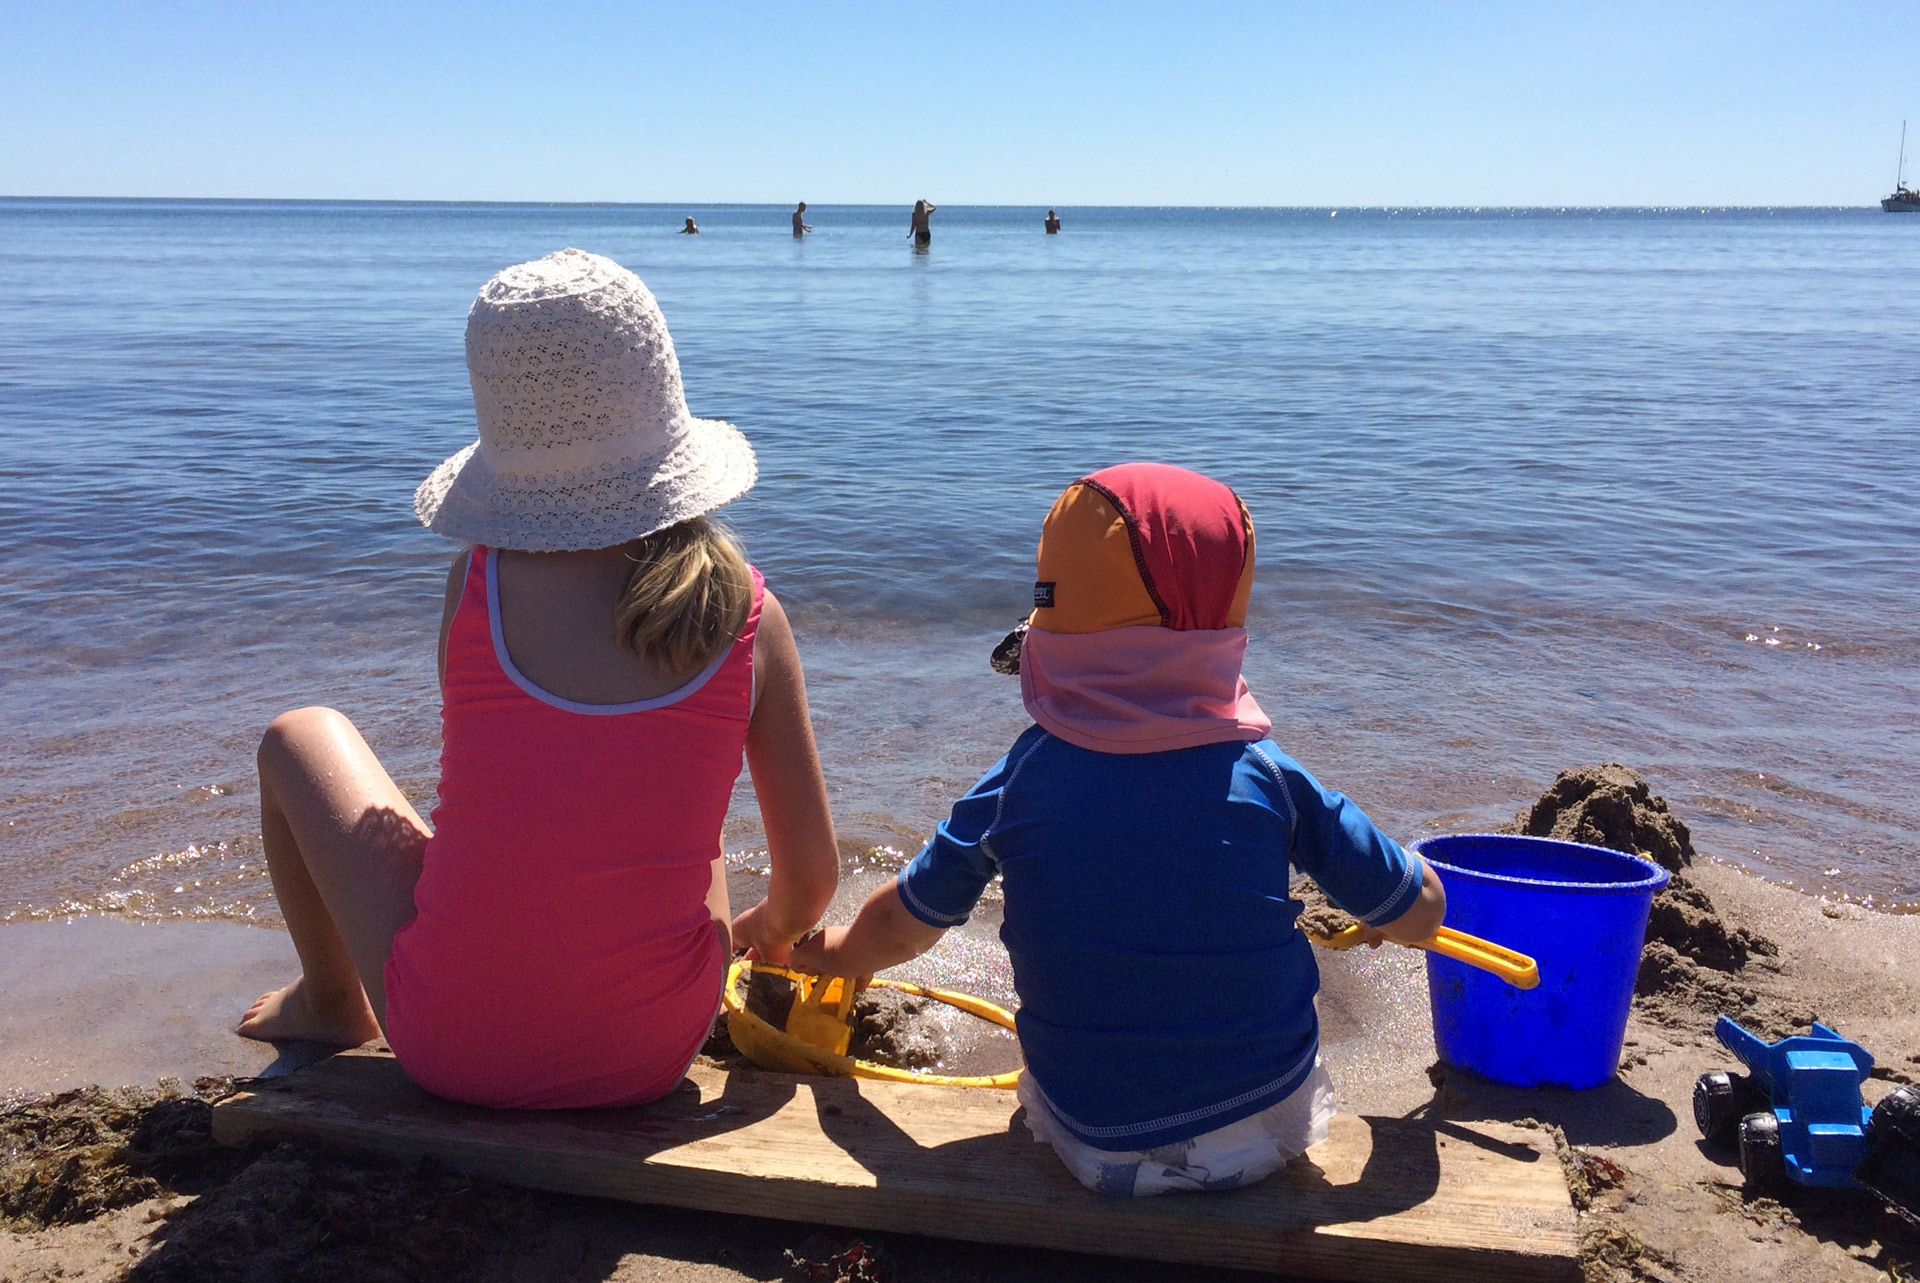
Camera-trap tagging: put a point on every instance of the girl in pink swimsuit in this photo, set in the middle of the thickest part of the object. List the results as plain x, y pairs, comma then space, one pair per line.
558, 939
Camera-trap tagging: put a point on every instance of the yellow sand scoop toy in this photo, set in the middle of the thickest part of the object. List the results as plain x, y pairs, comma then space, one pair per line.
1517, 969
817, 1035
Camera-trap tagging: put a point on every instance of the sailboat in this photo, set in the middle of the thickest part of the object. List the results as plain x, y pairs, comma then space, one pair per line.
1904, 200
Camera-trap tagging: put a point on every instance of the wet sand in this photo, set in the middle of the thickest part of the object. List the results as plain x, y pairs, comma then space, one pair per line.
118, 1001
122, 1002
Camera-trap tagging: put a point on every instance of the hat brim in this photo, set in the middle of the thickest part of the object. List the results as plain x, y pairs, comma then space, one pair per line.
711, 464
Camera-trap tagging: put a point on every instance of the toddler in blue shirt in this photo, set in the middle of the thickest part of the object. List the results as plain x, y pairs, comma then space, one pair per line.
1145, 829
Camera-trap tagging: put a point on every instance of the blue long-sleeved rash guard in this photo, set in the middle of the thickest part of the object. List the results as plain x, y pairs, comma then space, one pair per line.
1164, 991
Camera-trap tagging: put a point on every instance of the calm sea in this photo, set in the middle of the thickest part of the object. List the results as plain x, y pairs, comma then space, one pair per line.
1533, 488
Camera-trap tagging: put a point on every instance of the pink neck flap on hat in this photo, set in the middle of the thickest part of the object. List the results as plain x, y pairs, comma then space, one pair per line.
1140, 690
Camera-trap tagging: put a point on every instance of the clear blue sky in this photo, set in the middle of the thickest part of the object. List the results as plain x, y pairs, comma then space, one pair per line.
977, 102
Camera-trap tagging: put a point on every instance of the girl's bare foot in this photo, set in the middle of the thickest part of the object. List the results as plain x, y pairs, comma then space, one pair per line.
291, 1013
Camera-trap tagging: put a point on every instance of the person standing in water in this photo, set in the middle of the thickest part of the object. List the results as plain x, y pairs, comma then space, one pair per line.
921, 230
800, 225
1053, 223
691, 229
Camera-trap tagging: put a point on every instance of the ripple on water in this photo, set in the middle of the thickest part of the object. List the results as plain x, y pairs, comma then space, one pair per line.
1498, 535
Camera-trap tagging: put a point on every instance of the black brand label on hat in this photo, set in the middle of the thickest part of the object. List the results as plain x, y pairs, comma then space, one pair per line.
1043, 593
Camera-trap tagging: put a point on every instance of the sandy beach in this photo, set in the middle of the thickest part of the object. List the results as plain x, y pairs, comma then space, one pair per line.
105, 1185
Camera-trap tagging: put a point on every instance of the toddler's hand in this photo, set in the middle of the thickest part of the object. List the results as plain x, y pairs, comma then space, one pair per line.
813, 952
816, 953
1371, 937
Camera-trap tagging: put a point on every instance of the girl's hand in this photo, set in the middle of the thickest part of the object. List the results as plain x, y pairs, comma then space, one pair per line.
752, 933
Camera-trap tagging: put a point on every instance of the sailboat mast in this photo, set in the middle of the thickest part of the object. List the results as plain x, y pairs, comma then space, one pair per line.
1900, 179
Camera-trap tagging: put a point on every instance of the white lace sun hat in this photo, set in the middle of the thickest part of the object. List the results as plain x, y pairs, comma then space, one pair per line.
585, 439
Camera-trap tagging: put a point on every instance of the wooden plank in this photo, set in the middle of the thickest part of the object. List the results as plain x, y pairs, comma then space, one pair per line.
1406, 1199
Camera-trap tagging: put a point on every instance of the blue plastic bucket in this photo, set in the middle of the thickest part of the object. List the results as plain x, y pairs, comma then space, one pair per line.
1581, 913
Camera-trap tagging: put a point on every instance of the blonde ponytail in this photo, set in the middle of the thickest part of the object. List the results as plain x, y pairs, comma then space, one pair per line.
687, 598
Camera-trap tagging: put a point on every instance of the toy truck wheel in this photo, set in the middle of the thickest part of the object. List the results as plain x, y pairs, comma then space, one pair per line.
1720, 1101
1891, 1168
1897, 1114
1763, 1159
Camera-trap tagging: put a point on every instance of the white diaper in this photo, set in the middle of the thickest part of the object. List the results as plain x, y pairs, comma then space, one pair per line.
1237, 1154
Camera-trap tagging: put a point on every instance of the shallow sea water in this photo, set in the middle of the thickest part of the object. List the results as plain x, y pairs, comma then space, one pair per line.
1532, 489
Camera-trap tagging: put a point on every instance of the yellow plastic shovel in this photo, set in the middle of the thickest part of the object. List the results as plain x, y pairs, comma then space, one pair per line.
817, 1032
821, 1006
1517, 969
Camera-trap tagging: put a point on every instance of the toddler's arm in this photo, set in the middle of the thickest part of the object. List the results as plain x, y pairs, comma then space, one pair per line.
1395, 894
883, 935
793, 798
1422, 920
937, 890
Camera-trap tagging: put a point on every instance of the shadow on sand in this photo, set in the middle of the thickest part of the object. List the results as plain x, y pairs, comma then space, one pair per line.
1613, 1114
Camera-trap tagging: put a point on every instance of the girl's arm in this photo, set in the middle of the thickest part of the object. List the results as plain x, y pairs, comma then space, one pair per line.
456, 583
793, 798
882, 935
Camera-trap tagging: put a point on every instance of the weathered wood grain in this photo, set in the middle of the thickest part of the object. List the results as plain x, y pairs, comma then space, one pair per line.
1410, 1200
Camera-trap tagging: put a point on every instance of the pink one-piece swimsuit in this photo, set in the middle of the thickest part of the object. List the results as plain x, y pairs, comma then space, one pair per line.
562, 954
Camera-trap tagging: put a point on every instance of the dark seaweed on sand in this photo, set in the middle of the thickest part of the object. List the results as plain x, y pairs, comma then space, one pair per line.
294, 1213
70, 1157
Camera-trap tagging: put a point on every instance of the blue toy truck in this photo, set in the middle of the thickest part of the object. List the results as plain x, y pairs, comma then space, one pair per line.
1796, 1113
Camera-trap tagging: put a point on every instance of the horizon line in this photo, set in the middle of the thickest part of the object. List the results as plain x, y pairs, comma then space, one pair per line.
740, 204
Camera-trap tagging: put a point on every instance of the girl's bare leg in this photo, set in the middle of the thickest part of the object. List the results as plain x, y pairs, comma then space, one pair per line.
343, 847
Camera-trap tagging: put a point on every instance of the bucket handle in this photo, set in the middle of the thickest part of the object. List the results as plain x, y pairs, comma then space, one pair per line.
1517, 969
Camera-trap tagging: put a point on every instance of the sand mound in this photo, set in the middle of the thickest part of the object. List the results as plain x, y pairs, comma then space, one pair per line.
1692, 963
1676, 990
1684, 918
1692, 959
894, 1028
1611, 806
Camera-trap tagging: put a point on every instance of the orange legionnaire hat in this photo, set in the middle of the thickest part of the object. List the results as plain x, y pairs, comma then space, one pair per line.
1144, 544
